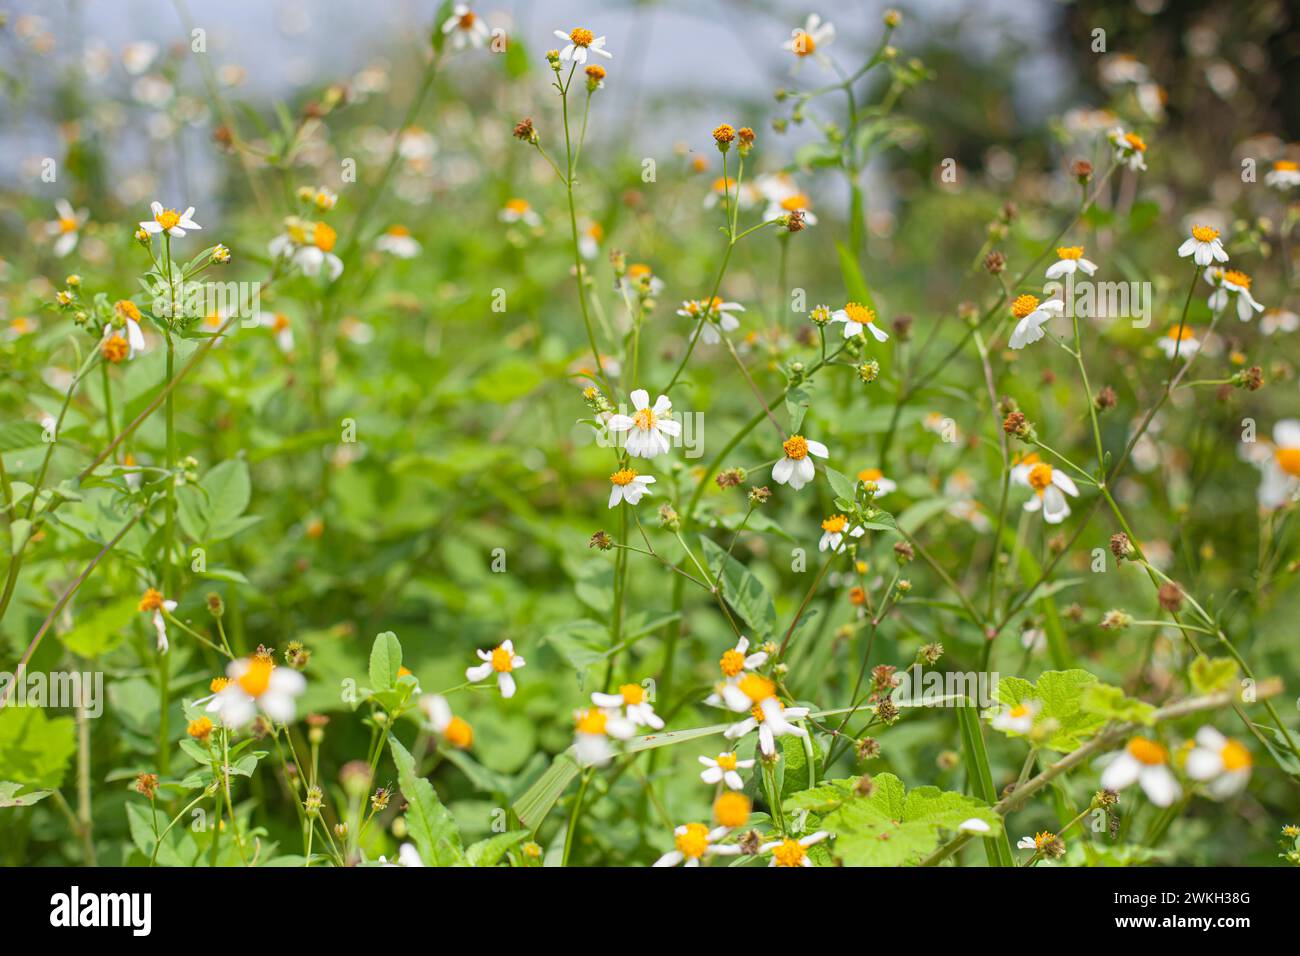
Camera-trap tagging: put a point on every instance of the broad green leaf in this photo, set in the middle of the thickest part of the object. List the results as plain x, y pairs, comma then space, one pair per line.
1060, 694
490, 851
431, 826
743, 591
1112, 704
99, 631
1212, 674
10, 797
385, 661
35, 749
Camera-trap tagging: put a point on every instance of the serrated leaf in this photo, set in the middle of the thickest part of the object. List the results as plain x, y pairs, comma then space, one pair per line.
430, 824
1212, 674
490, 851
742, 590
1060, 694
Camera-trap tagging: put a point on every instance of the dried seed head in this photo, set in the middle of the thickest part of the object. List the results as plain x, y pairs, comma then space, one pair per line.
865, 786
1105, 399
524, 130
995, 263
903, 552
1115, 620
1170, 597
146, 784
868, 747
600, 541
1120, 546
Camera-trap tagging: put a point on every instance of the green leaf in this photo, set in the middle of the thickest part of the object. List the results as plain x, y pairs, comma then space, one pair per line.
35, 749
1112, 704
1060, 693
854, 283
981, 779
742, 590
10, 797
1212, 674
431, 826
490, 851
102, 630
385, 661
843, 486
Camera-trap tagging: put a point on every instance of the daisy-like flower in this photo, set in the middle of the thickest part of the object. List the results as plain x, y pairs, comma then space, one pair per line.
1050, 486
465, 28
519, 210
280, 325
1032, 316
715, 315
734, 662
152, 602
628, 486
456, 731
1222, 764
641, 280
834, 529
22, 325
589, 240
635, 703
1069, 259
757, 694
1203, 245
1018, 719
129, 313
1182, 342
310, 250
857, 317
397, 241
593, 732
501, 659
169, 221
877, 477
796, 469
581, 41
407, 855
1279, 320
693, 842
1130, 148
792, 852
791, 202
1284, 175
649, 426
724, 190
1043, 842
814, 34
1231, 283
1146, 762
1281, 467
67, 227
724, 768
256, 682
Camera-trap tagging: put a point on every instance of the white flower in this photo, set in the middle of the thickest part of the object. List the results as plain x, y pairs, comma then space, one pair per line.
501, 659
724, 190
1204, 245
723, 768
309, 252
714, 316
649, 427
733, 664
757, 694
407, 855
635, 703
592, 731
454, 730
279, 324
795, 201
1231, 283
154, 602
139, 56
1280, 464
589, 239
1018, 719
1130, 148
857, 317
796, 468
581, 42
639, 280
1279, 320
67, 227
792, 852
1146, 762
815, 33
693, 842
834, 529
1069, 260
628, 486
1181, 343
877, 477
256, 682
397, 241
1283, 175
465, 27
1050, 486
1033, 315
169, 221
519, 210
1222, 764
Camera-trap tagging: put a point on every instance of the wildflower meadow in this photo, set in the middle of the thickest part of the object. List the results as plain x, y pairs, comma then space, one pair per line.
648, 435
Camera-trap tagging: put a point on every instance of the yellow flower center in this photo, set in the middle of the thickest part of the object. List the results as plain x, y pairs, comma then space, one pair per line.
1041, 839
114, 348
467, 20
582, 37
638, 270
1023, 305
732, 663
731, 809
596, 231
127, 310
789, 853
1040, 476
803, 44
168, 218
517, 206
723, 184
692, 841
218, 684
632, 694
624, 476
870, 474
1147, 751
591, 721
281, 322
795, 201
835, 524
1069, 252
726, 761
199, 729
644, 419
756, 688
67, 225
1179, 336
401, 230
1020, 710
859, 313
1288, 459
151, 600
1204, 233
1135, 142
257, 677
323, 237
503, 661
796, 447
459, 733
1286, 166
1237, 278
1235, 756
